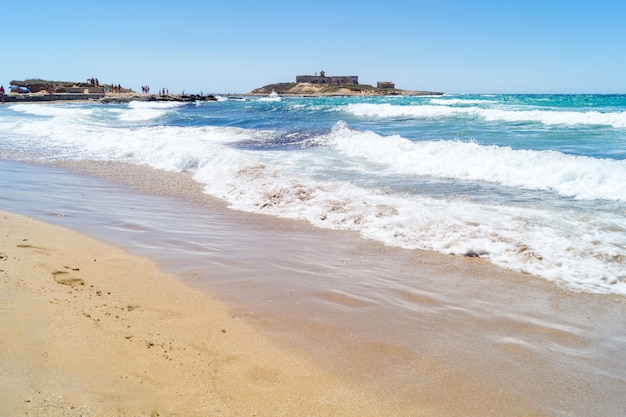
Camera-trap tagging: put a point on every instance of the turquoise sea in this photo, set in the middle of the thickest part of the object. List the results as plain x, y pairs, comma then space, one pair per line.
532, 183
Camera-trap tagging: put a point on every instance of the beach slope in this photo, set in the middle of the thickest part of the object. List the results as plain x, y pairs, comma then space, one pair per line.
90, 330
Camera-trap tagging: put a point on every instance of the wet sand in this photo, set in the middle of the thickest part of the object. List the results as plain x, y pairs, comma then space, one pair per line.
399, 332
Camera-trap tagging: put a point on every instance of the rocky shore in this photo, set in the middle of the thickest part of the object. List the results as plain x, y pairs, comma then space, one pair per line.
124, 98
309, 89
104, 98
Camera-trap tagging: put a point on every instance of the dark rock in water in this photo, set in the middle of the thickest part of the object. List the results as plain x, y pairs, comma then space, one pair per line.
185, 98
155, 97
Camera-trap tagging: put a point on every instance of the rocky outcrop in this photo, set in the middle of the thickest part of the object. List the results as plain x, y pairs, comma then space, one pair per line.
309, 89
62, 87
125, 98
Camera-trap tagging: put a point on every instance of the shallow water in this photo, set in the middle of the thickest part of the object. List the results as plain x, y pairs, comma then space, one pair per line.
459, 335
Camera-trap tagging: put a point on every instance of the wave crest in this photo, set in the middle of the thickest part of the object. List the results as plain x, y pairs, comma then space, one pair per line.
547, 117
572, 176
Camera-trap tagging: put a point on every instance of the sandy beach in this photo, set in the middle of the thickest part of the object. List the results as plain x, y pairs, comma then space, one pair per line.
89, 330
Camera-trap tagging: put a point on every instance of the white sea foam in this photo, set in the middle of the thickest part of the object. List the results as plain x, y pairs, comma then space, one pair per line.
155, 104
524, 239
574, 176
269, 99
51, 110
459, 101
142, 114
546, 117
583, 250
148, 110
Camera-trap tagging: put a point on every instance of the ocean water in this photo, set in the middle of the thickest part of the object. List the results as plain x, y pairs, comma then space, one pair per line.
532, 183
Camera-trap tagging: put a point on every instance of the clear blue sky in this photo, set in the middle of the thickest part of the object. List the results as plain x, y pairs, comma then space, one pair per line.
454, 46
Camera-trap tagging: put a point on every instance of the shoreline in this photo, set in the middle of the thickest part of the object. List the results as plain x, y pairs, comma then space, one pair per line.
426, 325
102, 98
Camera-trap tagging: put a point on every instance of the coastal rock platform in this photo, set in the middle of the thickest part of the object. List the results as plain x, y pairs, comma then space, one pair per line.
124, 98
104, 98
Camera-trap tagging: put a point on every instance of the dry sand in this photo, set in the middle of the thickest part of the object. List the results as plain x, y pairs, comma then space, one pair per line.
89, 330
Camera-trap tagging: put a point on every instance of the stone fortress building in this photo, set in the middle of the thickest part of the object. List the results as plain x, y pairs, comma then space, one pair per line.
385, 84
323, 79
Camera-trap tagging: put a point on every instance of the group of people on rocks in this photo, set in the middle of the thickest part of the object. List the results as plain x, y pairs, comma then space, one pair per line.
145, 89
108, 88
115, 88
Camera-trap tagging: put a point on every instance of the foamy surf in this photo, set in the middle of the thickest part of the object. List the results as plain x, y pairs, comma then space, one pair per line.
546, 199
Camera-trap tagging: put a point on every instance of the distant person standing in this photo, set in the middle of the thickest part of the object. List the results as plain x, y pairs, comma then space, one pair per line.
2, 93
50, 88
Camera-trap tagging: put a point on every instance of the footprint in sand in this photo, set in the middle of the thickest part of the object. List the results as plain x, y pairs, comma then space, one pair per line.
60, 278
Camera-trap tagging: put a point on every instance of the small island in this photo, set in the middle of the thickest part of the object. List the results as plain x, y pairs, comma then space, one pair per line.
324, 85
